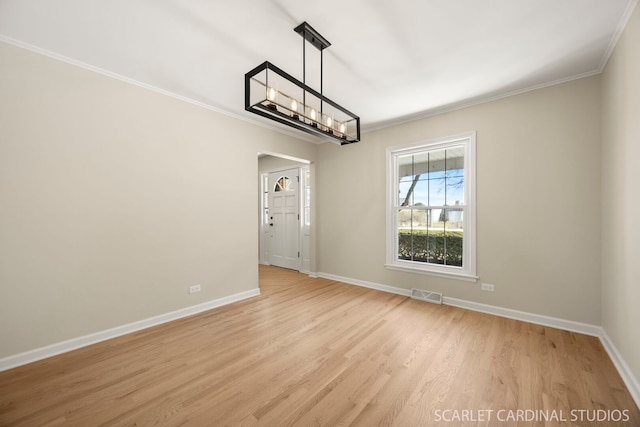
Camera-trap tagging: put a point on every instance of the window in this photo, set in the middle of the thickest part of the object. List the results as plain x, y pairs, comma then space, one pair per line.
283, 184
265, 198
431, 207
306, 204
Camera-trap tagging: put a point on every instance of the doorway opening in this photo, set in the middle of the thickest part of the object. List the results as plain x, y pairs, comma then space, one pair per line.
285, 212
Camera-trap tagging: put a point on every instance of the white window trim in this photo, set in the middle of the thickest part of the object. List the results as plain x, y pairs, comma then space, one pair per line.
468, 271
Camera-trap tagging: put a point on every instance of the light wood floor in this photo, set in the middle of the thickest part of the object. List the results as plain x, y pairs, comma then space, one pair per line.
318, 352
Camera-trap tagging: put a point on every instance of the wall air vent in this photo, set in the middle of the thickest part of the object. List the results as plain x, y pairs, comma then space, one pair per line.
428, 296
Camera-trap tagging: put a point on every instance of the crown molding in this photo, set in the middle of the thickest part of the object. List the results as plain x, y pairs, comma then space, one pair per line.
626, 16
62, 58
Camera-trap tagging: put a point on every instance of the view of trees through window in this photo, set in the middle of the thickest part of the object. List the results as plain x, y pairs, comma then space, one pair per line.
431, 206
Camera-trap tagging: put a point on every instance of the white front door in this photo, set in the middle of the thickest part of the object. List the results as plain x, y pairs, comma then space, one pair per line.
284, 218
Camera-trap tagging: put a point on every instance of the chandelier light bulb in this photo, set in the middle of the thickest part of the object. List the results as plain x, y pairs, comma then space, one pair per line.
271, 94
294, 109
313, 114
329, 121
343, 128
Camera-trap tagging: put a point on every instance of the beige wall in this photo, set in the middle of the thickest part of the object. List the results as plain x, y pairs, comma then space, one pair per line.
538, 198
621, 195
272, 163
115, 199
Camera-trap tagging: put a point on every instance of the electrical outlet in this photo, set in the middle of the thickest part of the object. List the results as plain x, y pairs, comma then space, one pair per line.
487, 287
195, 288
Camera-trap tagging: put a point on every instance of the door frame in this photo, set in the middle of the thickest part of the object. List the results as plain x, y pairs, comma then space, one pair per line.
304, 229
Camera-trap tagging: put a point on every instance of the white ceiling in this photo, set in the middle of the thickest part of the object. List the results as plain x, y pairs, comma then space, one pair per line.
390, 60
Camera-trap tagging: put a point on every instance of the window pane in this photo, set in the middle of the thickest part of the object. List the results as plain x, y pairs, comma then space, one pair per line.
450, 236
403, 189
437, 190
421, 191
307, 188
435, 240
307, 216
265, 197
420, 179
405, 167
404, 218
454, 175
454, 218
405, 238
421, 164
455, 191
413, 219
283, 184
412, 234
420, 225
419, 219
454, 162
287, 183
453, 236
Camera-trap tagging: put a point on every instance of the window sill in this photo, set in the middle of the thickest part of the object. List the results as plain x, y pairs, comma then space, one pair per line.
445, 274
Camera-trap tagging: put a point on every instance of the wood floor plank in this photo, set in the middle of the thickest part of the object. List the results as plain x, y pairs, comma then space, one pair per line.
319, 352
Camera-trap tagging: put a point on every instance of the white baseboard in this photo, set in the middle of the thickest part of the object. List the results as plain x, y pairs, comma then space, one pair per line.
83, 341
567, 325
623, 369
365, 284
538, 319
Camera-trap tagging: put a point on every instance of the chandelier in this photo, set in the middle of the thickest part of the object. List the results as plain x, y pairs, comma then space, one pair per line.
276, 95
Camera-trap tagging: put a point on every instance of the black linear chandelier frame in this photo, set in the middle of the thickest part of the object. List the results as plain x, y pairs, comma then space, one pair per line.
294, 103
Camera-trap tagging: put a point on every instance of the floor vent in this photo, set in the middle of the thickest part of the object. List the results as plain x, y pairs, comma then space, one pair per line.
428, 296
